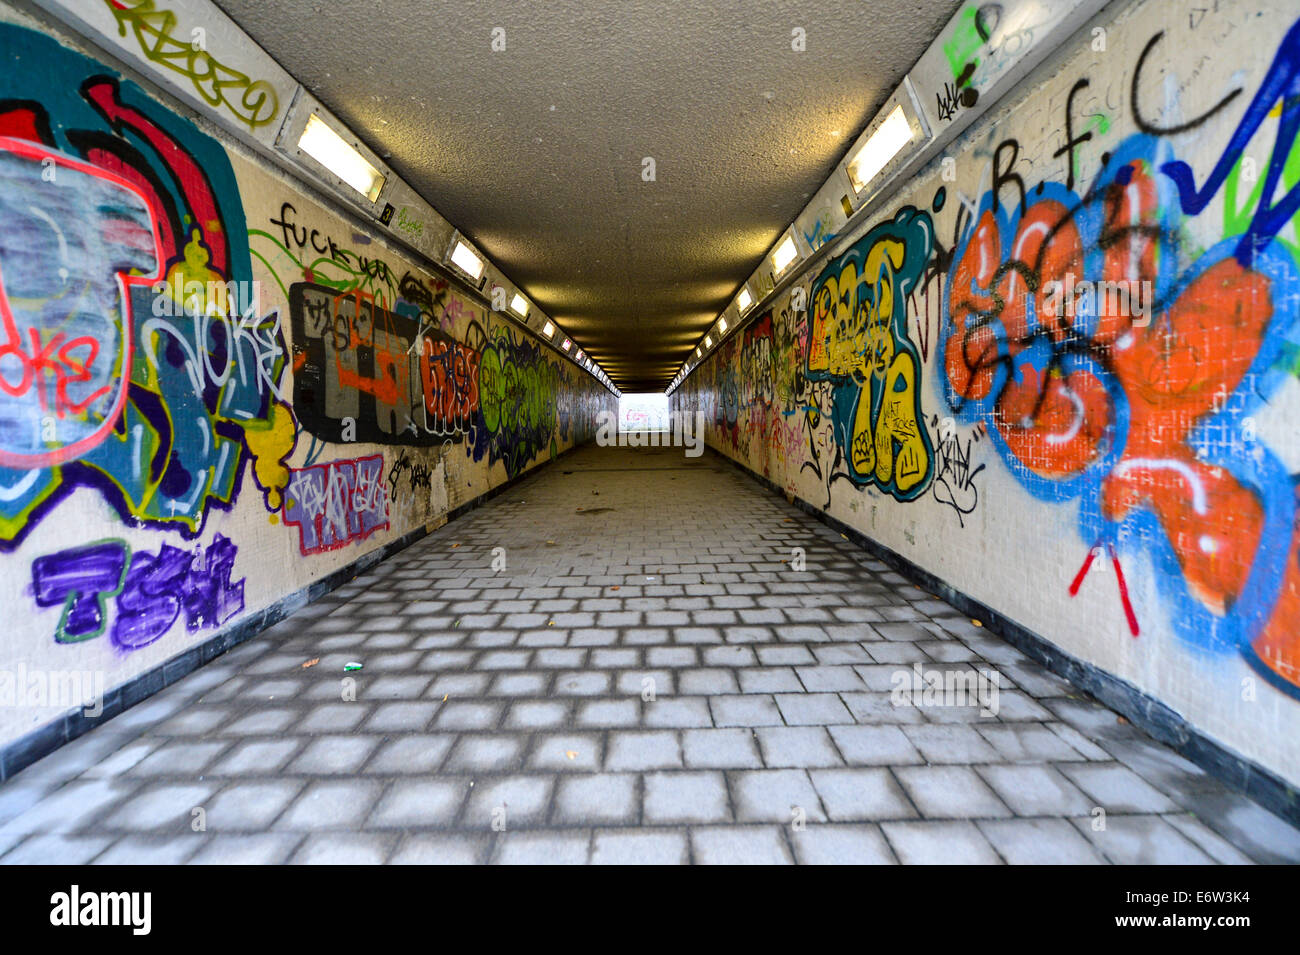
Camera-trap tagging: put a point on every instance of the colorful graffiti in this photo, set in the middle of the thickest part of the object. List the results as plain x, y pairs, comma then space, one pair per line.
858, 343
365, 373
337, 503
149, 591
136, 361
1140, 416
253, 102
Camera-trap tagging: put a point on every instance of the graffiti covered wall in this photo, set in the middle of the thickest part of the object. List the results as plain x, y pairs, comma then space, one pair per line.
1059, 368
214, 390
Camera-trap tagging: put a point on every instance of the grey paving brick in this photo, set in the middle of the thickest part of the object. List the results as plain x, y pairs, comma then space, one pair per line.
720, 749
419, 802
745, 710
609, 713
1039, 842
939, 843
331, 804
567, 752
334, 755
861, 794
796, 746
416, 753
776, 795
481, 753
428, 848
261, 848
543, 848
598, 799
344, 849
1116, 788
874, 745
639, 847
812, 709
658, 749
841, 845
950, 792
740, 845
506, 802
685, 797
685, 712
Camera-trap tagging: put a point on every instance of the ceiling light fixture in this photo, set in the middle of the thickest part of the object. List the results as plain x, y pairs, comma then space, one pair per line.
467, 260
785, 254
548, 330
519, 305
886, 142
322, 143
744, 300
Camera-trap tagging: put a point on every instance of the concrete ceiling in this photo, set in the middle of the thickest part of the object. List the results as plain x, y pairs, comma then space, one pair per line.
536, 152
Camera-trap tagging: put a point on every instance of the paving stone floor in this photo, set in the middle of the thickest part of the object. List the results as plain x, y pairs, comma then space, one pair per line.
647, 680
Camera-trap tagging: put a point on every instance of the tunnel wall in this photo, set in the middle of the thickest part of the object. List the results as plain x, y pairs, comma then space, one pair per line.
1118, 481
215, 389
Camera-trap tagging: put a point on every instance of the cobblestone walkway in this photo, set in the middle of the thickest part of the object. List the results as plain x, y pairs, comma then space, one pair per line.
648, 679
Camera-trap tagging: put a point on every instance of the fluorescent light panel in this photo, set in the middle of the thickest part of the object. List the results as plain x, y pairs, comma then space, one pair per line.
744, 300
519, 305
881, 146
467, 260
327, 147
785, 253
549, 330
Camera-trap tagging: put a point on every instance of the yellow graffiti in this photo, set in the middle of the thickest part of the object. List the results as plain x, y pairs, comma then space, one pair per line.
270, 444
858, 341
252, 102
192, 284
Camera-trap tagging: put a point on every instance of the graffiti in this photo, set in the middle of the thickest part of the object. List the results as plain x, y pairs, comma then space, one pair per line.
419, 476
134, 364
149, 591
948, 103
1281, 83
253, 349
301, 238
954, 478
334, 504
76, 239
756, 363
252, 102
1138, 420
523, 406
364, 373
858, 342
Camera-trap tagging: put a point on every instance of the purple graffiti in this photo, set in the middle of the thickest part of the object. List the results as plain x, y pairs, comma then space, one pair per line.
150, 590
78, 580
337, 503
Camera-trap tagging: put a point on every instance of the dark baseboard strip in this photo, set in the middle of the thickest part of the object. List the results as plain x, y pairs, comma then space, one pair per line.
1144, 711
26, 750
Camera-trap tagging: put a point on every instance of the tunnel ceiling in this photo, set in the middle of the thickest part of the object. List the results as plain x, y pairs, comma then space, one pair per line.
536, 152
